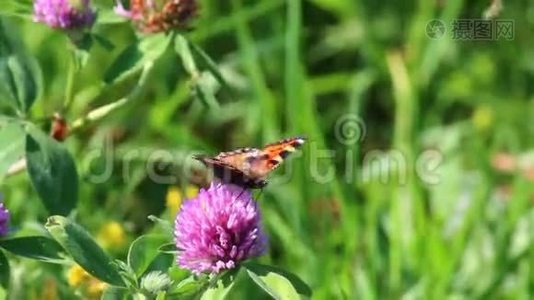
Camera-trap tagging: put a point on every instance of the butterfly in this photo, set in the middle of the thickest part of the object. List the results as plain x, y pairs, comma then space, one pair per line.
249, 167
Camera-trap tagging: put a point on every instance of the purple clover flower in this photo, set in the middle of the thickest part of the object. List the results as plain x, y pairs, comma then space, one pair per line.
152, 16
218, 229
64, 14
4, 219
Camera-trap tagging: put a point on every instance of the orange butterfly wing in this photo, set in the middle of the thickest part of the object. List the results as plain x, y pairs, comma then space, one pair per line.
249, 167
274, 154
235, 167
241, 159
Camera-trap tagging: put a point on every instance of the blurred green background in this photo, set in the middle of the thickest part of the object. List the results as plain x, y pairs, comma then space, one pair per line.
446, 214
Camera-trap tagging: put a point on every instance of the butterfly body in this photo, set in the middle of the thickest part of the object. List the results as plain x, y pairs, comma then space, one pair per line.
249, 167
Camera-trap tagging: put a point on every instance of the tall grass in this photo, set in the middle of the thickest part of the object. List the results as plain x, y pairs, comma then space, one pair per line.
295, 68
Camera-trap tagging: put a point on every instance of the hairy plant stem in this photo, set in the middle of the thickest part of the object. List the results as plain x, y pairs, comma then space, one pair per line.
95, 115
69, 89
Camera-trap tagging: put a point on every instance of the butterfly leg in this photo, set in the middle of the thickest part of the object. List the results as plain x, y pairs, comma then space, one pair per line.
259, 195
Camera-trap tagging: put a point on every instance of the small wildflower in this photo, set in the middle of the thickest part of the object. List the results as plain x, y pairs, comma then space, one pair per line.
504, 162
175, 198
218, 229
4, 219
95, 288
155, 282
91, 287
76, 276
64, 14
112, 235
152, 16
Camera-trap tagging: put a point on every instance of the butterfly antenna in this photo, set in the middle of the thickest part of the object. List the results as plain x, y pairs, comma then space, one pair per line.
242, 191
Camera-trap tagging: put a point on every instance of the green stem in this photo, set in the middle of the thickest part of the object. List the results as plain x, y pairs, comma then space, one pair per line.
405, 120
69, 90
105, 110
95, 114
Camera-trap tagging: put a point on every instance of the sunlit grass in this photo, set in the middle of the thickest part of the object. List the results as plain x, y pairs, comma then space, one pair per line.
295, 68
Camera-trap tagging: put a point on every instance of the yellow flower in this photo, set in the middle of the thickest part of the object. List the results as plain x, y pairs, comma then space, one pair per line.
112, 235
175, 197
95, 288
76, 276
482, 117
88, 285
